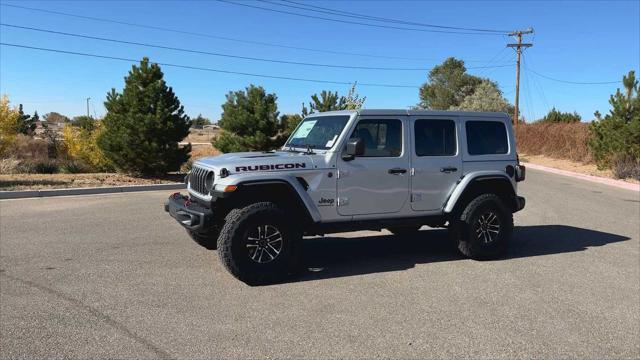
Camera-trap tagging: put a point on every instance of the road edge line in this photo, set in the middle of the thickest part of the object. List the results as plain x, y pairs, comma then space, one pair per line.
23, 194
597, 179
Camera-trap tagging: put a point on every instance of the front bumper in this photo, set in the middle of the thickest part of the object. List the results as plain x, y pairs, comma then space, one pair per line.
189, 214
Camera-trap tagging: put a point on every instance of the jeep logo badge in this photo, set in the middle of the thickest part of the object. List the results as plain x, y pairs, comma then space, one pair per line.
326, 202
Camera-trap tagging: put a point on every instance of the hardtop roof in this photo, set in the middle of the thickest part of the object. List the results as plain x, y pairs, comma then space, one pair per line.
404, 112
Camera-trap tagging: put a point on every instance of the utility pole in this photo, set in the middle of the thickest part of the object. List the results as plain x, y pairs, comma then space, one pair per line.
88, 106
518, 48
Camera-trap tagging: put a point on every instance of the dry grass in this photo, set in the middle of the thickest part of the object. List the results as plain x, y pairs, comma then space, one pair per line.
26, 147
198, 151
201, 136
560, 141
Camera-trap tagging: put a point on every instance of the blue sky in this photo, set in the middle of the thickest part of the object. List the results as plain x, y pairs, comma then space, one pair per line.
584, 41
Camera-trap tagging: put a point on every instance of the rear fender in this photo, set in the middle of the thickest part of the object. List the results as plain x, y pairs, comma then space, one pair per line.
472, 180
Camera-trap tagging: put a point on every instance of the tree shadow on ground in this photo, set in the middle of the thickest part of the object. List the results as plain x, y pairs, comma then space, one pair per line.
333, 256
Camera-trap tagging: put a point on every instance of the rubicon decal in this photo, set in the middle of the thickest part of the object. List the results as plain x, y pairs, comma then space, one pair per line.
271, 167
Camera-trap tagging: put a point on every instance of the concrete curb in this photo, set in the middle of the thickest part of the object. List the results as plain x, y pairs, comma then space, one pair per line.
88, 191
611, 182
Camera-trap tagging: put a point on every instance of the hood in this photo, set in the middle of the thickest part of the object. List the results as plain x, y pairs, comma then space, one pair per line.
258, 161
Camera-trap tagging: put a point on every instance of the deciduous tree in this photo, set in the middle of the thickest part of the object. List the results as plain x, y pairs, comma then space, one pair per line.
9, 124
448, 85
485, 97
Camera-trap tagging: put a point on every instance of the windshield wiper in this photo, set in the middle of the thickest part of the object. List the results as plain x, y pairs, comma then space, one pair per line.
309, 149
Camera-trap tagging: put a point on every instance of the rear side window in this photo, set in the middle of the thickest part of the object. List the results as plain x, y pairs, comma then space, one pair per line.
381, 137
435, 137
486, 138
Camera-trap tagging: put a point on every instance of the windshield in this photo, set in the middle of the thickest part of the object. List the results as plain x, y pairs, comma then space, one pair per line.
318, 132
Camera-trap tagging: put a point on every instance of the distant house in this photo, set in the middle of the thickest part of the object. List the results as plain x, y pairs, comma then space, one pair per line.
211, 127
53, 126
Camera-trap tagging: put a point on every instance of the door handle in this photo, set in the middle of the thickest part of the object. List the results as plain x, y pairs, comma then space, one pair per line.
449, 169
396, 171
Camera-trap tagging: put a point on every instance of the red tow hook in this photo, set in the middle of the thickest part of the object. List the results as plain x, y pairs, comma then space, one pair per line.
187, 203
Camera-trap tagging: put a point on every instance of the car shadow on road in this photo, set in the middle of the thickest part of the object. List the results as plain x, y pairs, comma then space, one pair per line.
334, 256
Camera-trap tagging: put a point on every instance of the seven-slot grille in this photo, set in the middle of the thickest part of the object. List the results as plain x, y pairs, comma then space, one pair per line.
197, 179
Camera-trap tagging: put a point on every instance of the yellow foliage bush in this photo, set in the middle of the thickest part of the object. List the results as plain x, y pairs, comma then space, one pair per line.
8, 125
82, 144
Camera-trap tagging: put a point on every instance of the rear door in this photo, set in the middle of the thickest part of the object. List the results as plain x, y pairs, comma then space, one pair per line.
378, 181
435, 159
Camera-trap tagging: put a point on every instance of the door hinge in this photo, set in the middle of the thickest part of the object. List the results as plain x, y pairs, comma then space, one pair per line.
413, 171
416, 197
342, 201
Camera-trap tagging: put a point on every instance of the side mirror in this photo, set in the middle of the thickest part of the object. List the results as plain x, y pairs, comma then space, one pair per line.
355, 147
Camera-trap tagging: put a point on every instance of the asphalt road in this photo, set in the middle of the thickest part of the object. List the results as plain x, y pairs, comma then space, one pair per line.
112, 276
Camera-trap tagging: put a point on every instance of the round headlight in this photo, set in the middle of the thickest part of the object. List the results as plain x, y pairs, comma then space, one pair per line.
208, 181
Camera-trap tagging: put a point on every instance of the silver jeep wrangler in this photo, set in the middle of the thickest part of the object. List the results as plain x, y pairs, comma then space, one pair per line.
357, 170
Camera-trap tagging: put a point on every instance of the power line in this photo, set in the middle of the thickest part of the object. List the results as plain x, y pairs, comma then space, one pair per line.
209, 69
536, 83
572, 82
324, 10
202, 52
192, 33
355, 22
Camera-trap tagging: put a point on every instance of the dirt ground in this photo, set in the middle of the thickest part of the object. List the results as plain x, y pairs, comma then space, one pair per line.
568, 165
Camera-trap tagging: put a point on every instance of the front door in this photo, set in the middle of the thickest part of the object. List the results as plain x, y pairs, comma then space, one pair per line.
436, 161
378, 181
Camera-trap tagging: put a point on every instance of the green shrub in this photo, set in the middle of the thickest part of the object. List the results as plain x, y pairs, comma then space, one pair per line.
555, 116
625, 167
74, 167
615, 139
39, 167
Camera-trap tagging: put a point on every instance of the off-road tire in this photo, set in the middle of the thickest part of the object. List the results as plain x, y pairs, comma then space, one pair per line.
467, 238
404, 230
209, 240
233, 248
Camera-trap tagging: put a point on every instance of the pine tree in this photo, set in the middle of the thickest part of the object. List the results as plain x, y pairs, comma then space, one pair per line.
325, 101
26, 123
250, 121
616, 137
144, 124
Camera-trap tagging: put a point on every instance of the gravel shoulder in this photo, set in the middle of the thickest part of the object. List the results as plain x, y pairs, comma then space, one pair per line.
10, 182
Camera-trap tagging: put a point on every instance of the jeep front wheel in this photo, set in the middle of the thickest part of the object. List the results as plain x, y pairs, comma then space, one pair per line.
208, 240
484, 228
257, 244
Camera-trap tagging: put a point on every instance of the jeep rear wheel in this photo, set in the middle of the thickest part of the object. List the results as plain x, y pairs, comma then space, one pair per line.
257, 244
484, 228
